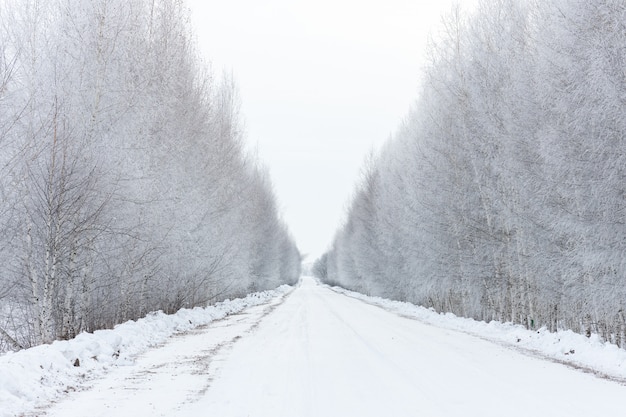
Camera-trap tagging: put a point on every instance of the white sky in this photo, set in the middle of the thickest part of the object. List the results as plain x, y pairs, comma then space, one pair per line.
322, 82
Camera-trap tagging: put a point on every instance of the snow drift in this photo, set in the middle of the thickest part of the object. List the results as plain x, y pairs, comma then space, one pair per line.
37, 376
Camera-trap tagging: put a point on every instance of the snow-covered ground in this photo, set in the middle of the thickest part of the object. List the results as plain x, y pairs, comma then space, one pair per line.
317, 352
31, 379
588, 354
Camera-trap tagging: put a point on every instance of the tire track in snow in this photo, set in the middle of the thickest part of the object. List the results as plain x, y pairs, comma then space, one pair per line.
520, 349
164, 379
324, 354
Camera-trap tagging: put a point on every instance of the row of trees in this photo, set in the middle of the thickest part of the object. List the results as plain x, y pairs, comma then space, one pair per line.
125, 187
503, 195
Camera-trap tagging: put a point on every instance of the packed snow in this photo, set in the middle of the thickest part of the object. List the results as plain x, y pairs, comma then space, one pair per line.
35, 377
322, 353
315, 351
589, 354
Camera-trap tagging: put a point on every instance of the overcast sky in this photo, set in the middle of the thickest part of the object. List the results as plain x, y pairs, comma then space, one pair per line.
322, 82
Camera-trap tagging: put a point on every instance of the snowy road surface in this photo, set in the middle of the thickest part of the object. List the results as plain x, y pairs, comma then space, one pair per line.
321, 353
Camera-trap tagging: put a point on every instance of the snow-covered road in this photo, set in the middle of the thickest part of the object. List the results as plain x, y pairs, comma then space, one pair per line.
320, 353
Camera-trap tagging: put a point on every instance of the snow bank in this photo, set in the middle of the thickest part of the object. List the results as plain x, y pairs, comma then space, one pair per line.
573, 349
36, 376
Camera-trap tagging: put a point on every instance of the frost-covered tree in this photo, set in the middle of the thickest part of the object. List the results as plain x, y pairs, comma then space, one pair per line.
124, 180
502, 195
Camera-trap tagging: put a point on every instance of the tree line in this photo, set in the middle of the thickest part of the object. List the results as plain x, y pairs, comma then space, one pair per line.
503, 194
124, 181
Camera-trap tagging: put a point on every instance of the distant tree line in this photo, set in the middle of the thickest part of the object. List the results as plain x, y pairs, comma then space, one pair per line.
503, 195
124, 182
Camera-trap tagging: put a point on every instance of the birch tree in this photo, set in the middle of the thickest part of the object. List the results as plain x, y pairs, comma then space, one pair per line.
124, 172
502, 195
